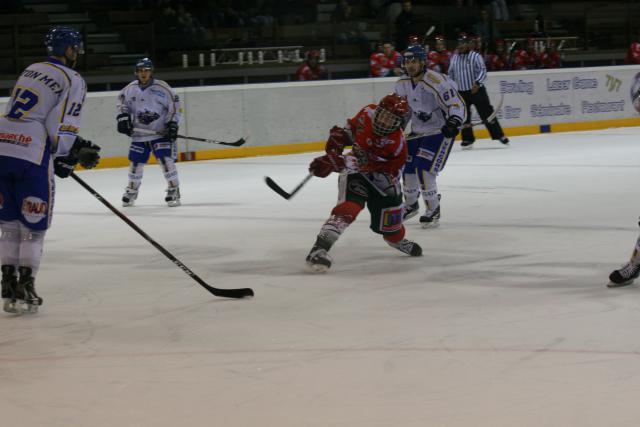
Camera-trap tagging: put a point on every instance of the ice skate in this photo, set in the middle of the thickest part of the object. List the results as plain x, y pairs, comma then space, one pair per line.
624, 276
504, 140
467, 145
407, 246
173, 196
318, 260
431, 220
129, 197
9, 284
27, 300
411, 211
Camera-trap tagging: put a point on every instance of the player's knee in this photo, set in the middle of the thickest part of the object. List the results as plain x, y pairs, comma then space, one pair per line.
347, 210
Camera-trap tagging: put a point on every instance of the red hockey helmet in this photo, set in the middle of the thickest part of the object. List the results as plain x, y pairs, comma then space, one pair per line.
313, 54
439, 37
390, 114
463, 38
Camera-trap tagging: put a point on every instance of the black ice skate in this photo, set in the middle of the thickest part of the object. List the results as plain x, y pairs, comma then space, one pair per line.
9, 284
431, 220
411, 211
624, 276
318, 260
173, 196
27, 300
467, 145
407, 246
129, 197
504, 140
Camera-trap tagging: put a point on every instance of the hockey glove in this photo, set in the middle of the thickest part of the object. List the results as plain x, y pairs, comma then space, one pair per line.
450, 128
124, 124
85, 152
171, 131
63, 166
322, 166
338, 139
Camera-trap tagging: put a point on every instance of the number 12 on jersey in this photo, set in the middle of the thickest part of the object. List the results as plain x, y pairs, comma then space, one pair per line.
24, 100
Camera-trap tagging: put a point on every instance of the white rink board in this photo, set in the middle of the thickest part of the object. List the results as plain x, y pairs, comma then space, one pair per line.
289, 113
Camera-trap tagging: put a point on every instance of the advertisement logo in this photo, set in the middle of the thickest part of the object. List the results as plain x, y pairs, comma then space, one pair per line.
34, 209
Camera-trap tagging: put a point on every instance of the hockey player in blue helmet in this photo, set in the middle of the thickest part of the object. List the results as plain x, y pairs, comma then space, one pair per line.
144, 71
436, 114
64, 42
45, 111
149, 112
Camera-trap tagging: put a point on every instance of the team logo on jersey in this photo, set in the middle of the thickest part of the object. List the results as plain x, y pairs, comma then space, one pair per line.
391, 219
146, 117
34, 209
159, 93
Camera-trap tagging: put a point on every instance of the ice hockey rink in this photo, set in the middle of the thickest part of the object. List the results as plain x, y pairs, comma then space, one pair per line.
505, 320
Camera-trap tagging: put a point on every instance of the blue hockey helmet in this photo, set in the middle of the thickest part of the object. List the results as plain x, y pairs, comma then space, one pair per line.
144, 64
414, 52
59, 38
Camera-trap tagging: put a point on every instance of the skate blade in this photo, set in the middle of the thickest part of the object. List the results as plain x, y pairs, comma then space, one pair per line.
620, 285
467, 147
174, 204
426, 225
9, 306
317, 268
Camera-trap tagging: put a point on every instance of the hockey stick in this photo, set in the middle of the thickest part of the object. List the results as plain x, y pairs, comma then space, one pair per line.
225, 293
237, 143
275, 187
490, 118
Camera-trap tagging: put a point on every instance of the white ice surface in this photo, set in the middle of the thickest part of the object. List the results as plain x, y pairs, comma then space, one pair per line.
506, 320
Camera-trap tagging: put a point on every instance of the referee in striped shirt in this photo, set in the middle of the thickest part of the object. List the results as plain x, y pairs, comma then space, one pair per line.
468, 70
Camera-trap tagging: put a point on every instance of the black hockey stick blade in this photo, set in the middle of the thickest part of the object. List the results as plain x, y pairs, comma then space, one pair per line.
237, 143
275, 187
224, 293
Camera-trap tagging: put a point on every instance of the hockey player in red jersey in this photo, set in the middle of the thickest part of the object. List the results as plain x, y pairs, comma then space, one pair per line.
311, 69
533, 54
550, 58
499, 60
633, 54
369, 175
438, 59
385, 62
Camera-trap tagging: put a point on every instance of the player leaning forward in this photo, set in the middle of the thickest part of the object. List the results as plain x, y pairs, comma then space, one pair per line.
437, 111
38, 137
150, 105
369, 175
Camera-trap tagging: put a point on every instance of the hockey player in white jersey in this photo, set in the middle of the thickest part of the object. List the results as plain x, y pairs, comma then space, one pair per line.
38, 137
437, 111
150, 104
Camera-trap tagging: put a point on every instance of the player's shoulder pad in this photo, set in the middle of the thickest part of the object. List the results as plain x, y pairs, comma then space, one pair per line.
432, 77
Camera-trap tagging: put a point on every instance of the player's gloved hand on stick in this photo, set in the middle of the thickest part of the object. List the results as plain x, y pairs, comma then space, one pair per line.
338, 139
125, 126
63, 166
85, 152
322, 166
171, 131
450, 128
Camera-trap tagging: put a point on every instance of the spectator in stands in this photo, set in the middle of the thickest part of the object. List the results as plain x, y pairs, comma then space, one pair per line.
500, 10
384, 62
261, 13
633, 54
485, 28
346, 30
311, 69
406, 24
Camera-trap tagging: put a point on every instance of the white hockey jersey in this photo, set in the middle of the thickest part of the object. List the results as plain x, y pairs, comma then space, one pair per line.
42, 117
432, 101
150, 107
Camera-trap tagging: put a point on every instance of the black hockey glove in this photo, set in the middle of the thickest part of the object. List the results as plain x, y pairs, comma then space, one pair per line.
450, 128
171, 131
63, 166
85, 152
124, 124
